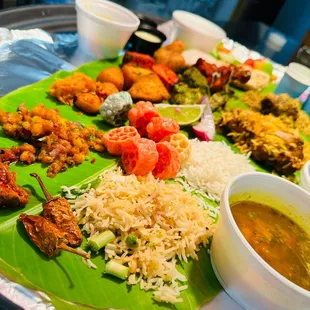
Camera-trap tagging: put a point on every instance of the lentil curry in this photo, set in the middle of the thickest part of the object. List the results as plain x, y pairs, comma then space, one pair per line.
277, 239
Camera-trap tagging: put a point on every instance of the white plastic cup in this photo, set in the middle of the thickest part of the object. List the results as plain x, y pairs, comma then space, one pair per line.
245, 276
196, 31
104, 27
295, 81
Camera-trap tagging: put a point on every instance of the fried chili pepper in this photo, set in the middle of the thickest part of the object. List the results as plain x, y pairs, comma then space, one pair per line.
11, 195
49, 238
138, 59
167, 76
58, 211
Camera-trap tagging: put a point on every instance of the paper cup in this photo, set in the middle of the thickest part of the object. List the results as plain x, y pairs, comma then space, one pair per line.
104, 27
295, 81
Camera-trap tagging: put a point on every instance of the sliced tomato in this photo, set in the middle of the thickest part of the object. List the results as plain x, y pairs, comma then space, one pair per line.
167, 76
141, 115
115, 139
249, 62
138, 59
139, 156
160, 127
169, 161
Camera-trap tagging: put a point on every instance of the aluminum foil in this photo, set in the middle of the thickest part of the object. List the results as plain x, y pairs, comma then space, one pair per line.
23, 297
26, 57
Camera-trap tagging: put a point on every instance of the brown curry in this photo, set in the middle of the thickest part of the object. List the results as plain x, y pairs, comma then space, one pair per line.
277, 239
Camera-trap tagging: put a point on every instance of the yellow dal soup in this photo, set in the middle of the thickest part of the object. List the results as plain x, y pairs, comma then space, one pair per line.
277, 239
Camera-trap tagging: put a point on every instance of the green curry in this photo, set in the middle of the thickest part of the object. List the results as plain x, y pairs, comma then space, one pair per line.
192, 86
277, 239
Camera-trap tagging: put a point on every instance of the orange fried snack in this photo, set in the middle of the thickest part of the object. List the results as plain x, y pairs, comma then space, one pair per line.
171, 55
88, 102
105, 89
112, 75
132, 74
149, 88
66, 90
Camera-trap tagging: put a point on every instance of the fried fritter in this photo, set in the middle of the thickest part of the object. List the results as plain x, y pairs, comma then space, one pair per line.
171, 55
268, 139
132, 74
149, 88
11, 195
112, 75
105, 89
88, 102
66, 90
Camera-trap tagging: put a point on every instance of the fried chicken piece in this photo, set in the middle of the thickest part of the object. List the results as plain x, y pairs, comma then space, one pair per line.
11, 195
280, 105
138, 60
171, 55
219, 77
66, 90
58, 211
112, 75
149, 88
24, 153
105, 89
89, 102
132, 74
268, 139
49, 238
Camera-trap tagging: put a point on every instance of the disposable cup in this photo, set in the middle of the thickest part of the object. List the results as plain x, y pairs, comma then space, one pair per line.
295, 81
104, 27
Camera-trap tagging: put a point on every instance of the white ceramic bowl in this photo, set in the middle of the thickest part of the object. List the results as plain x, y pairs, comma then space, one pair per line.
196, 31
305, 177
245, 276
104, 27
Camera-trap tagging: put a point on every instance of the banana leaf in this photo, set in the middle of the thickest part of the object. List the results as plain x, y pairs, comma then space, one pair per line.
65, 279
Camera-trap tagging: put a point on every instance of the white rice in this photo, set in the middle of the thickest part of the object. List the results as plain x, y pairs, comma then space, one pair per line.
170, 224
211, 166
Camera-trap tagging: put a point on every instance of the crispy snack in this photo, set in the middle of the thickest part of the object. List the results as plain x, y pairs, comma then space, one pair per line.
66, 90
24, 153
49, 238
132, 74
268, 139
139, 60
60, 143
171, 55
58, 211
89, 102
112, 75
11, 195
149, 88
105, 89
182, 145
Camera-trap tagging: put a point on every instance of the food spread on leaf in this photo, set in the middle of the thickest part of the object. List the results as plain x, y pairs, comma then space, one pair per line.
164, 123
